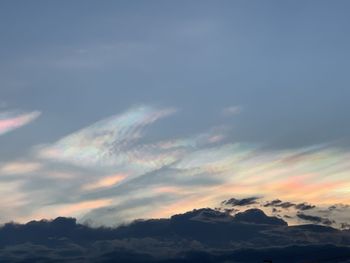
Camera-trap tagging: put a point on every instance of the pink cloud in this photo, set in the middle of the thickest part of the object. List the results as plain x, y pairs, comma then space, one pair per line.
11, 120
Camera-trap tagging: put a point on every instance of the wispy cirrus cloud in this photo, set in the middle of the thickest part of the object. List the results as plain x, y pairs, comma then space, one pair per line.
19, 167
107, 181
11, 120
109, 142
114, 160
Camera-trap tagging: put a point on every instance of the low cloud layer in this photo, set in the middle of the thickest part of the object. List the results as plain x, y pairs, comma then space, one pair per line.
203, 235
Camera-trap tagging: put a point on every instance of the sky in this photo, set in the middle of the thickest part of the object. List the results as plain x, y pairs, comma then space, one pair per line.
117, 110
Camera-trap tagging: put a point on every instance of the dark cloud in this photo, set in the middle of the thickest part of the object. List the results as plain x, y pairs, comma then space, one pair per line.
278, 203
315, 219
241, 202
304, 206
201, 235
257, 216
335, 215
274, 210
273, 203
345, 225
338, 207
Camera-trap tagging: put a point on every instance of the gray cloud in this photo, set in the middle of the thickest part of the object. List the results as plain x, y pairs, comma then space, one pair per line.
190, 237
241, 202
315, 219
286, 205
335, 215
304, 206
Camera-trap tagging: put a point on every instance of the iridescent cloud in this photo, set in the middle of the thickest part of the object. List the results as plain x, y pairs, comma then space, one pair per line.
113, 161
13, 120
107, 181
20, 167
107, 143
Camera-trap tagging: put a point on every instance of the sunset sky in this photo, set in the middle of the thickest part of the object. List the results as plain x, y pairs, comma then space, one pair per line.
117, 110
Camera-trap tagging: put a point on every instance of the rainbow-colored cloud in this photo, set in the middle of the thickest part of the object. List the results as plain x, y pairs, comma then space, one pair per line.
113, 169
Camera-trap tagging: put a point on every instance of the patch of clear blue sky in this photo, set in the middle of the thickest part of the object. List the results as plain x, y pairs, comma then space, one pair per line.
285, 63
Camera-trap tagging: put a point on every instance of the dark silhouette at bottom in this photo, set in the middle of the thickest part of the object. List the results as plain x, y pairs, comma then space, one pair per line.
204, 235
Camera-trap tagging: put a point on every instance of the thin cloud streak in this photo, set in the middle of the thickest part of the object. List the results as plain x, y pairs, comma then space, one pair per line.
10, 121
17, 168
105, 182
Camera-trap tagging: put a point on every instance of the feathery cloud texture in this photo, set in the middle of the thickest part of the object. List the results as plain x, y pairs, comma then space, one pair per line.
115, 171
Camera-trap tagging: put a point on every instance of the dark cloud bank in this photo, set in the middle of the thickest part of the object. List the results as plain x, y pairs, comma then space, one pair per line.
203, 235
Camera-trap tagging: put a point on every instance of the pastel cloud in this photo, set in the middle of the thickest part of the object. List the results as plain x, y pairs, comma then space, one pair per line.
107, 143
105, 182
113, 161
315, 176
12, 200
10, 121
16, 168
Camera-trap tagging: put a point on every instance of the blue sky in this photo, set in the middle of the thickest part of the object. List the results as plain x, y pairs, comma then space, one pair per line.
271, 76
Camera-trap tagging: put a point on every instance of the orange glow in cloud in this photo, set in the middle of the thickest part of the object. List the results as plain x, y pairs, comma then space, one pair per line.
67, 210
182, 206
105, 182
15, 168
83, 206
199, 171
319, 177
